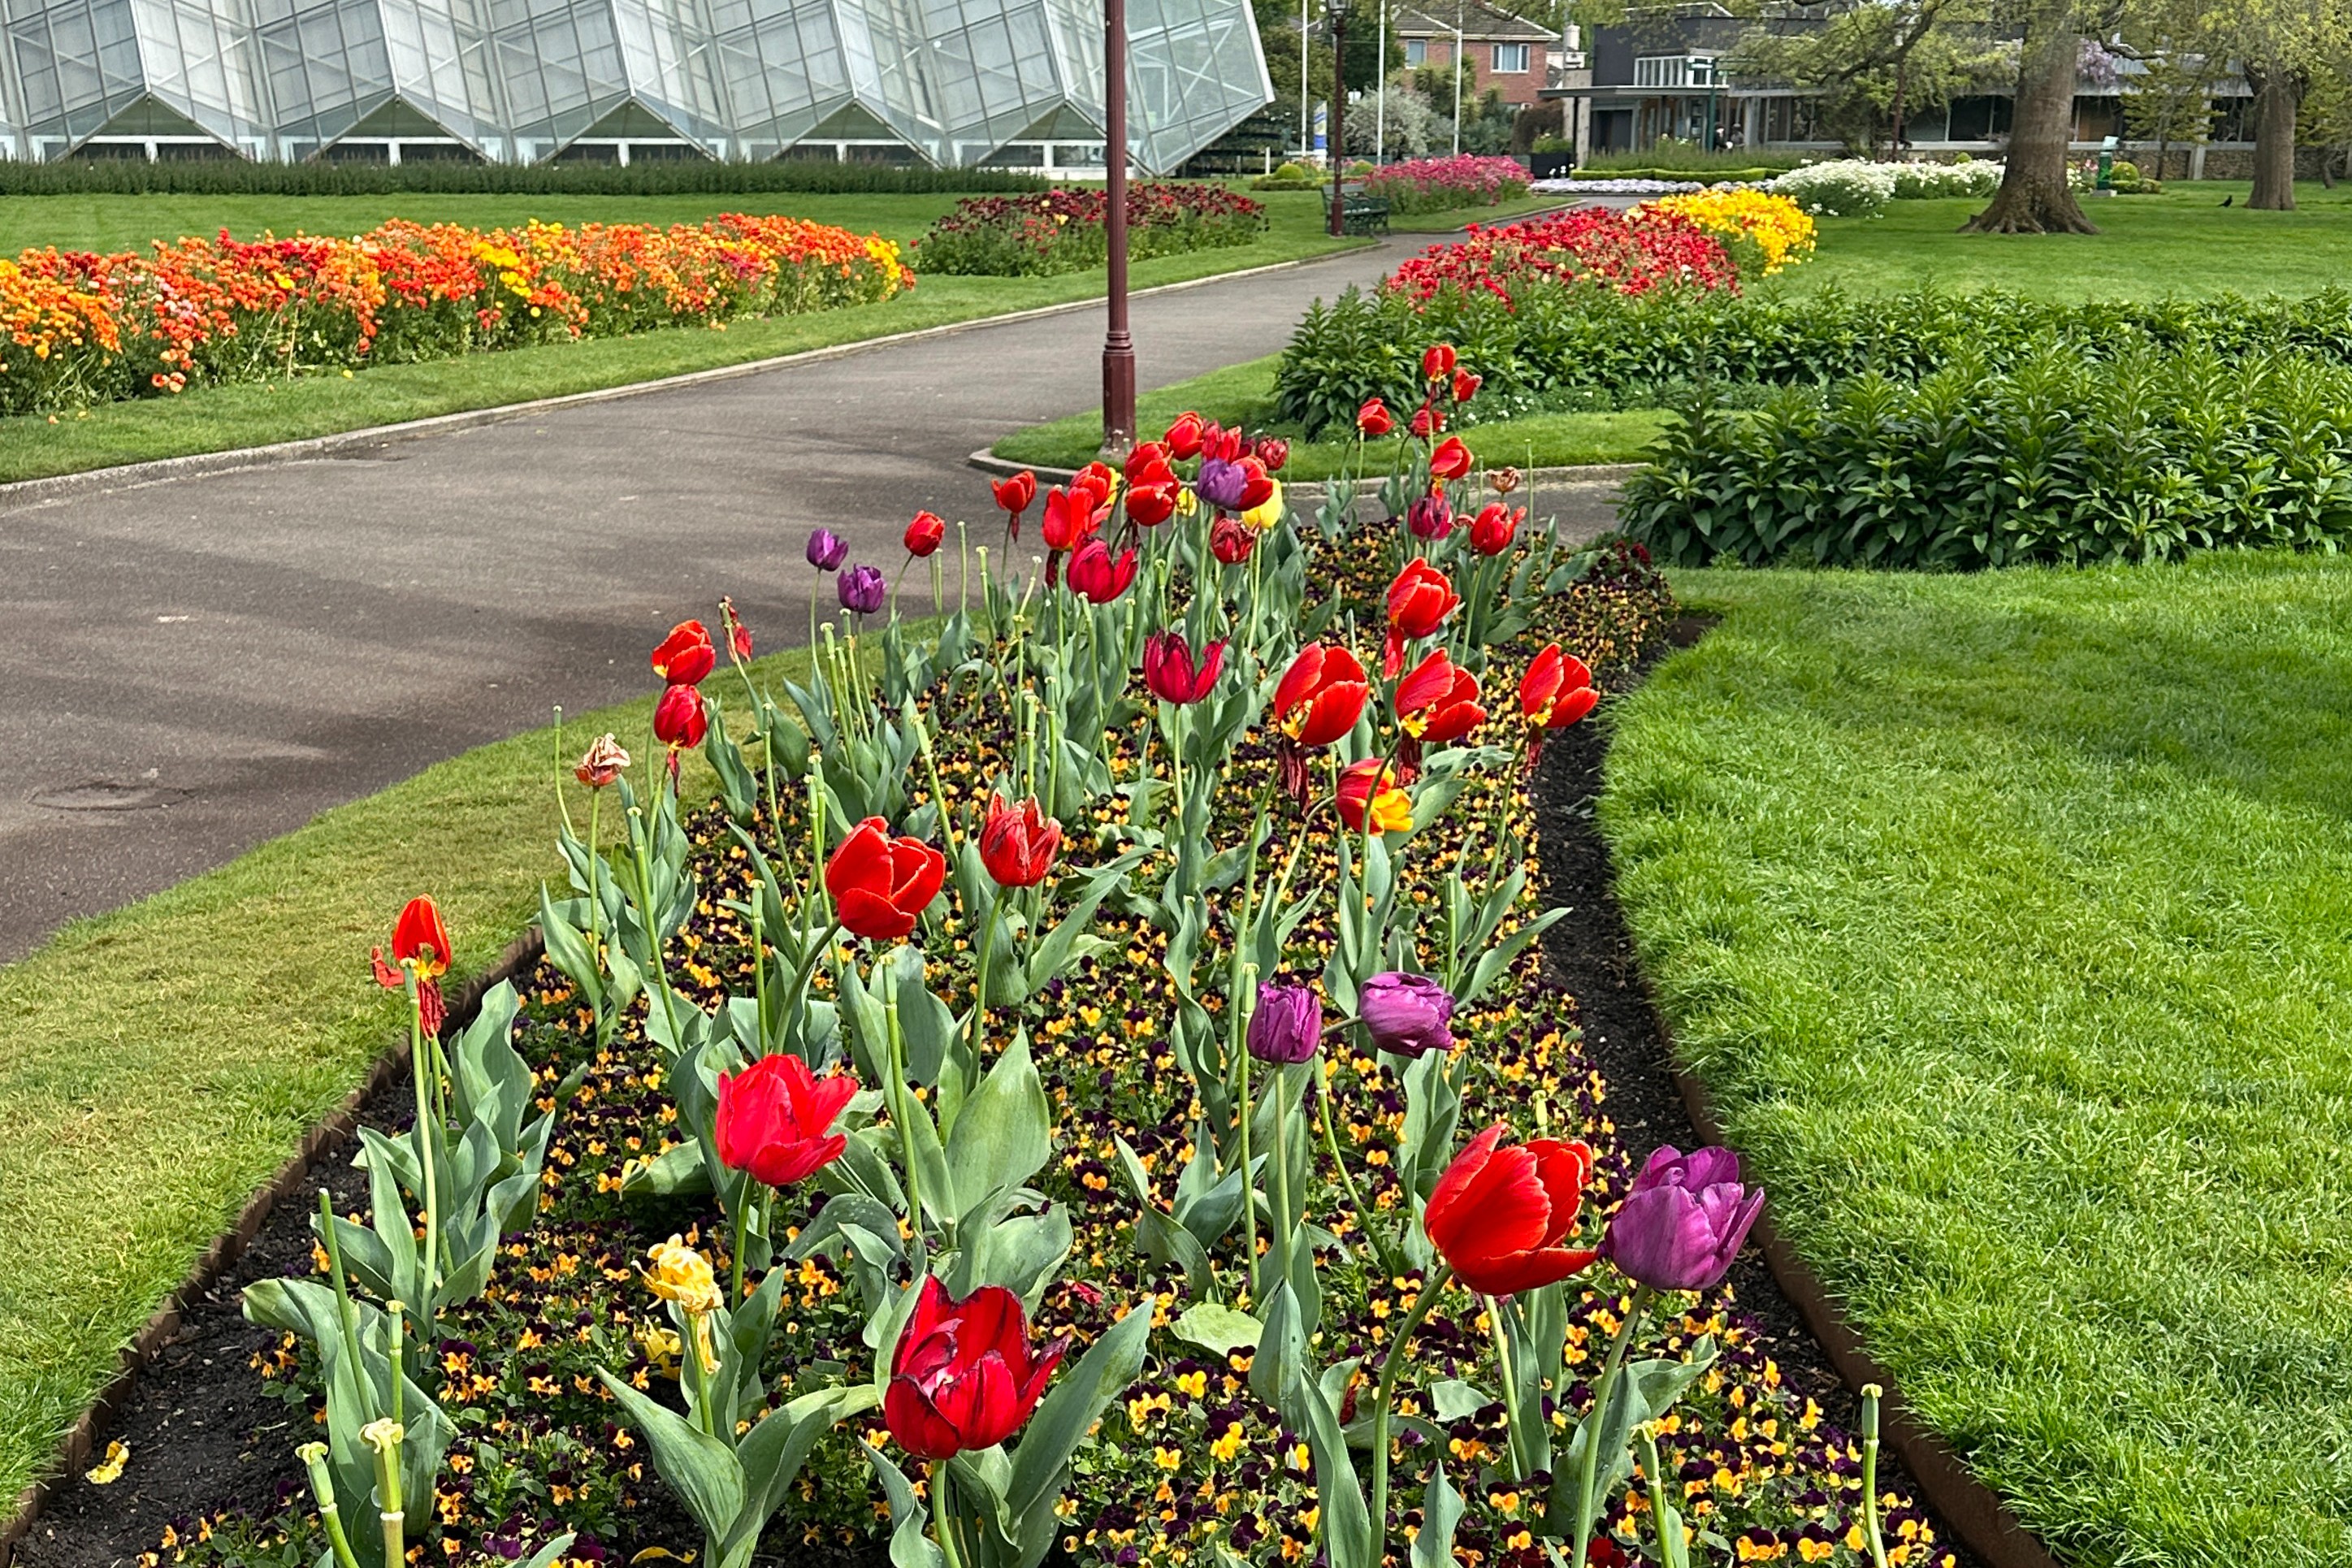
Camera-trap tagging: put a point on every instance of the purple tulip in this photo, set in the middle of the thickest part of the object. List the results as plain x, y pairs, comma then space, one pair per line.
1406, 1014
1221, 484
1287, 1025
827, 550
1430, 517
862, 589
1682, 1225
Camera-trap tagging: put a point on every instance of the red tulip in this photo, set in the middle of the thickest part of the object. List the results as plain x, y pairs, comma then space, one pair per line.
1494, 527
1183, 437
1169, 672
879, 884
775, 1119
1438, 702
1069, 518
686, 656
1557, 691
1150, 505
1418, 603
1230, 539
1272, 451
1437, 362
1098, 481
1094, 576
1374, 418
1321, 694
1257, 485
925, 534
1015, 496
961, 1378
1427, 421
678, 719
1465, 384
1148, 464
1392, 808
1216, 441
1451, 461
1017, 842
420, 944
1498, 1216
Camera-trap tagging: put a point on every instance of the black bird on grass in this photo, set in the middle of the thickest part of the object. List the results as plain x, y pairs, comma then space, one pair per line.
2232, 197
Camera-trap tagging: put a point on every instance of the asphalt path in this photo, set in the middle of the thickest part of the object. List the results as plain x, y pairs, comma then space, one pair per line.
196, 665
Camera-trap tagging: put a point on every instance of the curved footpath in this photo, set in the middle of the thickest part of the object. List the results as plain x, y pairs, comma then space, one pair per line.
197, 664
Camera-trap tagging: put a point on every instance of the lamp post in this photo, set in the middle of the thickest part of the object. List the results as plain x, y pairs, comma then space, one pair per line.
1118, 348
1337, 135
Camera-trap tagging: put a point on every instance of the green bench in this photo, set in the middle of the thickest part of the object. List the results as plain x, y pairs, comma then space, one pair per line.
1358, 214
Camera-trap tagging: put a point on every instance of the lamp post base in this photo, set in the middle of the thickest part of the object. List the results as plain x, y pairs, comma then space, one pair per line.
1119, 398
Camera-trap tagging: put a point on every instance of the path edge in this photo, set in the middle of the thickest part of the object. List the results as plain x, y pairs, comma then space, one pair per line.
81, 1439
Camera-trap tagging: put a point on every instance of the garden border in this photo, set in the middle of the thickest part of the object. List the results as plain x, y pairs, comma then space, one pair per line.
522, 955
194, 464
988, 462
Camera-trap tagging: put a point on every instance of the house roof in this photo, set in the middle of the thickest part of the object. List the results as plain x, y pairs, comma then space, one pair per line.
1480, 21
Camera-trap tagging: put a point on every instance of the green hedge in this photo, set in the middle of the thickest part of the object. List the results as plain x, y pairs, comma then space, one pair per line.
1710, 176
235, 176
2060, 460
1627, 348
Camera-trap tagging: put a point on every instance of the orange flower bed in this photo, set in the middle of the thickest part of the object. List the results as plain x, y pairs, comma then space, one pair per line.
77, 328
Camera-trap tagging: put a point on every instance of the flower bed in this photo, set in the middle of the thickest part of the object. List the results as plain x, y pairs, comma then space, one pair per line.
81, 328
1443, 184
1764, 233
1089, 1082
1047, 232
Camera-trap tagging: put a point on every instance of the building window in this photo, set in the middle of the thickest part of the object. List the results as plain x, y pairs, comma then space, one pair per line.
1510, 60
1416, 51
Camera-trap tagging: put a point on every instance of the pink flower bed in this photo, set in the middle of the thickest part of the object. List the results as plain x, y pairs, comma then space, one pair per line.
1434, 184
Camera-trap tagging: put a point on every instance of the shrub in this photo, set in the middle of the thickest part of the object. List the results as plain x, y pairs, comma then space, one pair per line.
234, 176
1763, 232
1439, 184
84, 328
2059, 461
1844, 187
1048, 232
1690, 158
1973, 178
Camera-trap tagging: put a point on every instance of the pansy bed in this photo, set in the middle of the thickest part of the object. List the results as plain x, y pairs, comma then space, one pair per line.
1089, 1088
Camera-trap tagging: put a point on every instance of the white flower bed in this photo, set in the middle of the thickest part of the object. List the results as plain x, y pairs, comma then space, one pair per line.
1858, 187
1614, 187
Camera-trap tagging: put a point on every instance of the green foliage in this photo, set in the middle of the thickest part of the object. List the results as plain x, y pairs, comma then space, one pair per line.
235, 176
1671, 157
2063, 459
1369, 344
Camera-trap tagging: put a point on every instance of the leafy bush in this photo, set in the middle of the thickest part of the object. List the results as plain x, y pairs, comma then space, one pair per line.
235, 176
1441, 184
1689, 158
1048, 232
2061, 459
1972, 177
1843, 188
1663, 175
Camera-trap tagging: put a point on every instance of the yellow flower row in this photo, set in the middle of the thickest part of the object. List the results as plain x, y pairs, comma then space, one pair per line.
1773, 231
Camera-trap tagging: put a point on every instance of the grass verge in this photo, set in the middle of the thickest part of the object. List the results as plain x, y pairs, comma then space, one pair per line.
162, 1061
2006, 915
1245, 393
222, 419
1455, 219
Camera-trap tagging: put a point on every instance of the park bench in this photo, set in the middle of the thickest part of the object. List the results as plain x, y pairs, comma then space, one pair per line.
1358, 214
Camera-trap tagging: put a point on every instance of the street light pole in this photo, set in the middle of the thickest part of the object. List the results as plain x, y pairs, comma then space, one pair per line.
1337, 134
1118, 347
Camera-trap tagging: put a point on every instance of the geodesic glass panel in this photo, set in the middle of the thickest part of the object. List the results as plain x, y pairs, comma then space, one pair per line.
76, 62
1195, 70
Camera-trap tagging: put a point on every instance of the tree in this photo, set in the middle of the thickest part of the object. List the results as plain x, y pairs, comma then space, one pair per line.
1870, 63
2034, 197
2325, 121
2281, 45
1277, 25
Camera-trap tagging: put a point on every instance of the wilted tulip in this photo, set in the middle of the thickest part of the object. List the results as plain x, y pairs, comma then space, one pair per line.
826, 550
1430, 516
1017, 842
1504, 481
1498, 1216
862, 589
679, 721
682, 1275
775, 1119
1183, 437
686, 656
1437, 362
961, 1378
1437, 702
1321, 694
1494, 527
1406, 1015
1465, 384
738, 635
1374, 418
420, 945
1150, 505
600, 764
1287, 1025
925, 534
1392, 808
879, 884
1230, 539
1095, 575
1451, 461
1419, 600
1684, 1222
1272, 451
1427, 421
1172, 674
1557, 691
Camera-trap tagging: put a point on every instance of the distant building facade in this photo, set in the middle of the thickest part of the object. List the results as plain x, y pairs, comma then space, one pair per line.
1503, 51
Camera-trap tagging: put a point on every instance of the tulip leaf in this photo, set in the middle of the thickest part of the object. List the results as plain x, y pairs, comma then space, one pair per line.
1061, 1422
1020, 1253
1455, 1400
924, 1024
1003, 1133
1223, 1330
698, 1469
909, 1547
1441, 1510
676, 1172
1644, 1391
736, 785
1495, 961
771, 1455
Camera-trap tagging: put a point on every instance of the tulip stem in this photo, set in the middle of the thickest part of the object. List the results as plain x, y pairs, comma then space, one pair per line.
1513, 1416
898, 1112
944, 1522
595, 909
980, 993
1390, 1261
1386, 1399
428, 1152
741, 1219
562, 806
643, 835
1588, 1471
1281, 1215
1872, 1532
346, 1315
1249, 1180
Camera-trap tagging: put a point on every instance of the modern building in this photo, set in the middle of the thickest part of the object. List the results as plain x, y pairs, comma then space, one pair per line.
945, 82
1504, 52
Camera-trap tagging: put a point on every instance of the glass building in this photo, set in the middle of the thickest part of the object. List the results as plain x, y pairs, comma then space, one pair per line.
951, 82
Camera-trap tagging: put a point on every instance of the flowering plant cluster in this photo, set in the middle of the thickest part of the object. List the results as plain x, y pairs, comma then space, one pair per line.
1840, 187
1438, 185
1763, 232
1632, 252
1625, 185
1044, 232
77, 328
1088, 1082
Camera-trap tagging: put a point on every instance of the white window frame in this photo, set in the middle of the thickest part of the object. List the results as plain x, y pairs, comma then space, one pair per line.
1517, 54
1416, 51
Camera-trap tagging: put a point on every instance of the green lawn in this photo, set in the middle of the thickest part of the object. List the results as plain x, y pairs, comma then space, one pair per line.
1245, 393
2009, 919
2182, 242
220, 418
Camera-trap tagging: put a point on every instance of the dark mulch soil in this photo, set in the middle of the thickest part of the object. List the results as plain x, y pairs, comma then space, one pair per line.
205, 1435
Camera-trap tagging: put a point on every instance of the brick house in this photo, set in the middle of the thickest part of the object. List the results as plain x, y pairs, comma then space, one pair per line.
1504, 52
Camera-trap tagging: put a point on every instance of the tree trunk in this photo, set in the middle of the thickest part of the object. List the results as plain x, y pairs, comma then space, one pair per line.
2277, 95
2034, 197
